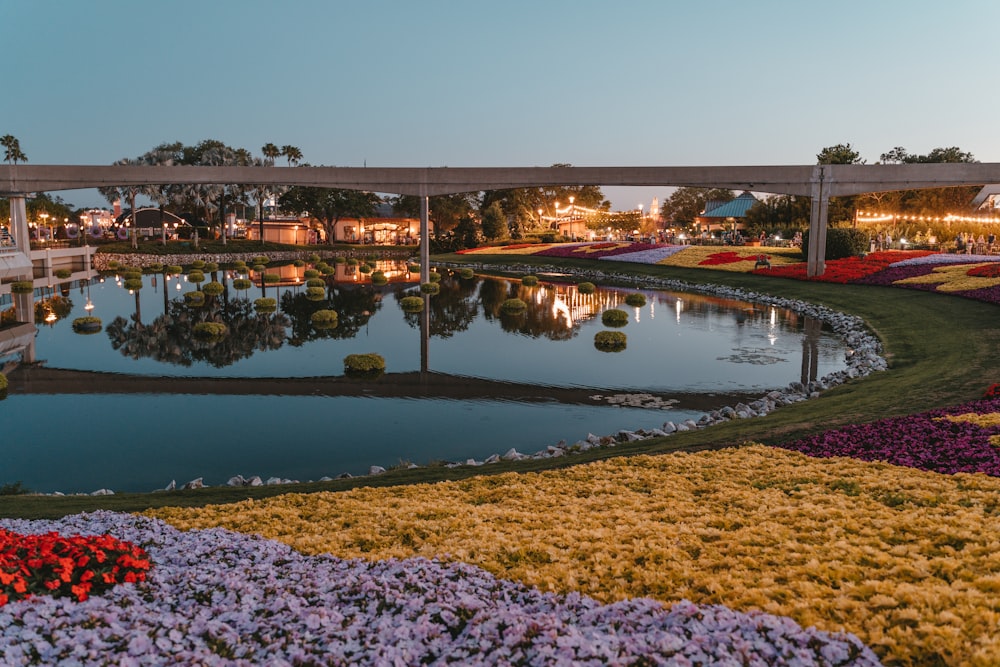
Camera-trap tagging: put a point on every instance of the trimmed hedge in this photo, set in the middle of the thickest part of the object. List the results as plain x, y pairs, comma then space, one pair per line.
610, 341
22, 287
209, 330
195, 276
364, 363
87, 325
315, 293
324, 319
241, 284
412, 304
638, 300
63, 273
198, 264
194, 297
435, 277
841, 242
133, 284
586, 288
614, 317
316, 282
3, 386
430, 288
378, 278
310, 273
272, 278
529, 281
173, 269
513, 306
466, 273
266, 304
209, 267
213, 288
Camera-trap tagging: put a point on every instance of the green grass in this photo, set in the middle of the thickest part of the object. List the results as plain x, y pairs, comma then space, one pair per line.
940, 350
156, 247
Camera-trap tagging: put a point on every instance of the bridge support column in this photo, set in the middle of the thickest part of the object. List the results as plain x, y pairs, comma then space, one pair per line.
425, 240
19, 224
818, 215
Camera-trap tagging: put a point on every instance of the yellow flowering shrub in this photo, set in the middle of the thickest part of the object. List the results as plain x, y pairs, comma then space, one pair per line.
726, 258
985, 420
952, 278
515, 249
908, 560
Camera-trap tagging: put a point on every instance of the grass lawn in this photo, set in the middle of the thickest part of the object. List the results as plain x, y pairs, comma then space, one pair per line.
941, 352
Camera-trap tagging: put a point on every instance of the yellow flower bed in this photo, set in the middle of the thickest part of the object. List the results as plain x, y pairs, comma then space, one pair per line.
908, 560
693, 256
516, 249
952, 278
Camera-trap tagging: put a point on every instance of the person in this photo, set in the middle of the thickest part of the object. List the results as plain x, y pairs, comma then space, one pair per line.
990, 242
880, 238
981, 245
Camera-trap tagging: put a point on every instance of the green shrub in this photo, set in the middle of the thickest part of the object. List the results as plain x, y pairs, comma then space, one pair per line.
133, 284
261, 259
339, 259
315, 293
239, 264
173, 269
586, 288
314, 258
316, 282
413, 268
324, 319
529, 281
364, 364
609, 341
22, 287
242, 284
352, 261
195, 276
840, 243
113, 264
198, 264
132, 275
298, 262
266, 304
258, 268
205, 330
3, 383
194, 297
310, 273
63, 273
365, 268
209, 267
213, 288
435, 277
378, 278
87, 325
614, 318
638, 300
155, 267
272, 278
430, 288
411, 304
327, 270
466, 273
513, 306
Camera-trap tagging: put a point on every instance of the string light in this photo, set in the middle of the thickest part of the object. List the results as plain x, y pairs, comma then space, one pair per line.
872, 216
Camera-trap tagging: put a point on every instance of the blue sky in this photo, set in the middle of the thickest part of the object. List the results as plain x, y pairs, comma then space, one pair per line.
516, 83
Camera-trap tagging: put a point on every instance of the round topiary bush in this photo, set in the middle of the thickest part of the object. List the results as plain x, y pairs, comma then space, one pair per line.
298, 262
413, 268
213, 288
266, 304
258, 268
63, 273
156, 267
314, 258
610, 341
132, 275
327, 270
209, 330
324, 319
411, 304
194, 297
586, 288
239, 264
209, 267
261, 259
87, 325
133, 284
364, 364
513, 306
173, 269
195, 276
435, 277
242, 284
352, 261
271, 278
466, 273
529, 281
339, 259
3, 386
316, 282
430, 288
22, 287
378, 278
638, 300
198, 264
310, 273
365, 268
315, 293
113, 264
614, 318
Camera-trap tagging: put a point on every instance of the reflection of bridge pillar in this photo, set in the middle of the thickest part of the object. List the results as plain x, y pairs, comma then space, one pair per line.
425, 334
810, 349
425, 240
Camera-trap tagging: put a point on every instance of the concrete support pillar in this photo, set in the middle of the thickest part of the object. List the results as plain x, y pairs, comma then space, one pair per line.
19, 224
425, 240
818, 215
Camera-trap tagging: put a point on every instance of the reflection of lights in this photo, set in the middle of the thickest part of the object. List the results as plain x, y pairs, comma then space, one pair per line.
90, 305
678, 306
178, 286
51, 317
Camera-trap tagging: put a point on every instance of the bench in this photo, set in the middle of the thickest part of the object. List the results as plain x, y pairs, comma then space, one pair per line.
762, 262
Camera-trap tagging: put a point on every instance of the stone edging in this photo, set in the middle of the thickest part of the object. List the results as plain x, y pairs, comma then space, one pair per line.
101, 259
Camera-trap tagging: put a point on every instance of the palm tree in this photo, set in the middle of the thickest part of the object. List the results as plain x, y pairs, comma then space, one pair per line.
13, 153
270, 152
292, 153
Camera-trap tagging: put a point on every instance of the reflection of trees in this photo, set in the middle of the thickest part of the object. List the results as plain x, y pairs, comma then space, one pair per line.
354, 306
540, 319
453, 309
168, 338
51, 310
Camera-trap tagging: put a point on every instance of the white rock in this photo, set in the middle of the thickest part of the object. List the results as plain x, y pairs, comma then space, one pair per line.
236, 480
195, 484
376, 470
512, 455
493, 458
172, 486
103, 492
253, 481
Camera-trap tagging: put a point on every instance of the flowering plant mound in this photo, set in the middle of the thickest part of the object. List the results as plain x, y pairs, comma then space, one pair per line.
220, 598
76, 566
991, 270
729, 257
594, 250
993, 391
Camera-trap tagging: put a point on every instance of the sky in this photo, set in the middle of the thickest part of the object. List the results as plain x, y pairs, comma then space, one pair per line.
470, 83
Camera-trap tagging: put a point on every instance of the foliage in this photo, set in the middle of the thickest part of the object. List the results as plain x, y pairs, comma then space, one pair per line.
430, 288
412, 303
209, 330
636, 299
687, 203
155, 267
586, 287
3, 385
214, 288
840, 243
241, 284
466, 273
266, 304
329, 205
272, 278
308, 274
209, 267
195, 276
315, 293
366, 363
22, 287
261, 259
614, 317
88, 324
12, 149
434, 276
610, 341
529, 280
194, 297
316, 282
133, 284
494, 222
379, 278
63, 273
198, 264
12, 488
839, 154
513, 305
365, 268
324, 319
173, 269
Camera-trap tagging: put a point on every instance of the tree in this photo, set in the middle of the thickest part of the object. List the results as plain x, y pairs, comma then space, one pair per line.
687, 203
329, 205
270, 152
12, 149
445, 210
494, 222
621, 224
929, 201
292, 153
839, 154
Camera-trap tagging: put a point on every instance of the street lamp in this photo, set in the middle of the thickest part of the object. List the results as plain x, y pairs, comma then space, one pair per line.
571, 218
45, 223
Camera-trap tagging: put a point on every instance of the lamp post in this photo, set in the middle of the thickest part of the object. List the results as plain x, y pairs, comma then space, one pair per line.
45, 222
572, 219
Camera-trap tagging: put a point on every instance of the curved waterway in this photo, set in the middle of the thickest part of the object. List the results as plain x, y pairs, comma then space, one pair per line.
143, 401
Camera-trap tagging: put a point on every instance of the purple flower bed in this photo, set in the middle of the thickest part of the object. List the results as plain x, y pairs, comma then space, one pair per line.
916, 441
987, 294
943, 258
574, 250
900, 271
215, 597
653, 255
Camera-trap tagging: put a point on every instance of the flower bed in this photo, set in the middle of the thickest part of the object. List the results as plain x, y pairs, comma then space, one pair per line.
216, 597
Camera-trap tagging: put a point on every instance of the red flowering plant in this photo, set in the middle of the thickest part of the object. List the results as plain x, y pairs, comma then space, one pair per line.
992, 391
62, 566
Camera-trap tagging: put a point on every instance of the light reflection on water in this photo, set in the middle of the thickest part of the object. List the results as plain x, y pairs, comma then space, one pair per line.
140, 441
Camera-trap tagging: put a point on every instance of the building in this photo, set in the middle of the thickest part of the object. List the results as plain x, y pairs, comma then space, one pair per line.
725, 216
